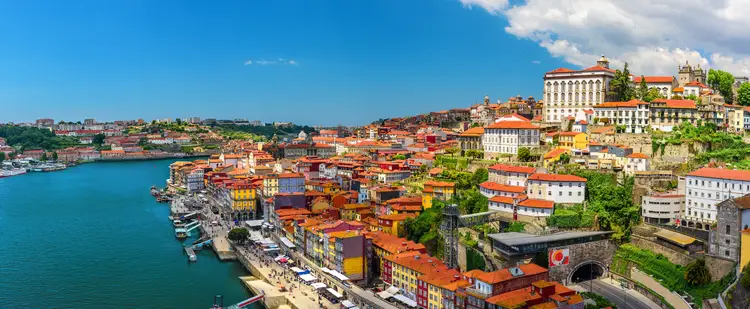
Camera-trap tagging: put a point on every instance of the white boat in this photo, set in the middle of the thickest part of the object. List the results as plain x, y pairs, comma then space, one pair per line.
12, 172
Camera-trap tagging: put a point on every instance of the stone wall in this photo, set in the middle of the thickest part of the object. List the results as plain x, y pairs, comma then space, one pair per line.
601, 251
718, 267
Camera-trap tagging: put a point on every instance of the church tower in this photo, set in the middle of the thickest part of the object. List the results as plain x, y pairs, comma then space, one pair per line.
685, 75
603, 62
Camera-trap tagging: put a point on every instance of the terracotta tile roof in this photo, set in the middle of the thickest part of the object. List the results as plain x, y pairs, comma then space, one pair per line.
598, 68
534, 203
513, 169
556, 177
355, 206
505, 274
678, 89
631, 103
500, 187
397, 217
721, 173
655, 79
561, 70
419, 262
473, 132
392, 243
441, 184
516, 116
512, 125
696, 84
688, 104
554, 153
603, 129
570, 133
638, 155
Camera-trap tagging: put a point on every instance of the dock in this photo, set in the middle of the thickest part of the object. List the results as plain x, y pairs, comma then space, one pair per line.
223, 249
191, 254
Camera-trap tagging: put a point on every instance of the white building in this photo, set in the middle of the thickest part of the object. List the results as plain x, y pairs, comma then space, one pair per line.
510, 174
707, 187
566, 189
664, 84
662, 209
195, 180
694, 88
568, 92
633, 114
490, 189
386, 176
636, 162
508, 136
524, 206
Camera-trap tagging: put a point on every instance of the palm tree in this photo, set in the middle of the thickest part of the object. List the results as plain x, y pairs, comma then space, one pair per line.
696, 273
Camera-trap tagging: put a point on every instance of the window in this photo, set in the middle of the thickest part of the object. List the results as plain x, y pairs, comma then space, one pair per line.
726, 252
727, 241
728, 227
579, 193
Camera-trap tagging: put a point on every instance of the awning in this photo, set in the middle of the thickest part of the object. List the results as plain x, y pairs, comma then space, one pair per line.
674, 237
392, 289
347, 304
406, 301
338, 275
286, 242
254, 223
325, 270
334, 293
384, 294
278, 258
318, 285
308, 277
296, 269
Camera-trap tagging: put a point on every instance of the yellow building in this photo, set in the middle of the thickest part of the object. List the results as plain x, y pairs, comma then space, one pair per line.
394, 224
437, 189
406, 267
242, 199
349, 211
573, 140
553, 156
433, 283
347, 254
745, 248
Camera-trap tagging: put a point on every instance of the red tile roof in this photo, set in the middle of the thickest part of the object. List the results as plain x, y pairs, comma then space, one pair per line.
696, 84
534, 203
555, 152
721, 173
500, 187
504, 274
561, 70
638, 155
473, 132
655, 79
598, 68
513, 169
512, 125
556, 177
631, 103
690, 104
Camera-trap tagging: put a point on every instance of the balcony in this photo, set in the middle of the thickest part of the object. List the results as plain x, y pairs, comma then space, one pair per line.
477, 293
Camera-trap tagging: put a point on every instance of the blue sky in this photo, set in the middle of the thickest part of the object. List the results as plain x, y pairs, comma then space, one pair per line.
355, 61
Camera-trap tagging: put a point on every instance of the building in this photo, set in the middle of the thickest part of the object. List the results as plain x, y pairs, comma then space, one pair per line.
687, 74
566, 189
667, 114
553, 156
195, 180
745, 248
663, 84
707, 187
636, 162
633, 114
240, 197
572, 140
540, 294
510, 174
515, 247
506, 137
442, 190
402, 270
394, 223
694, 89
662, 208
283, 183
735, 118
471, 139
45, 122
733, 217
521, 205
569, 92
488, 284
348, 256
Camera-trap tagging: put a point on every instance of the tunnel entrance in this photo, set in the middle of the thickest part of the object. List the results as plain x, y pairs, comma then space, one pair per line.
587, 272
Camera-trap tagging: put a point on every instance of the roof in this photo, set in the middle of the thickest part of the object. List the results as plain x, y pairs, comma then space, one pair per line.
513, 169
524, 201
655, 79
603, 129
439, 183
561, 70
501, 187
554, 153
631, 103
419, 262
675, 237
397, 217
515, 238
512, 125
556, 177
688, 104
505, 273
637, 155
696, 84
598, 68
477, 131
742, 202
721, 173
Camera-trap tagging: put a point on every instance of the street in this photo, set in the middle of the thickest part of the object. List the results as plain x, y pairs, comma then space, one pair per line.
618, 296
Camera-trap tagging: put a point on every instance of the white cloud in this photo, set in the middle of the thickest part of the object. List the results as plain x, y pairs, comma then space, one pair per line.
292, 62
272, 62
536, 62
653, 37
248, 62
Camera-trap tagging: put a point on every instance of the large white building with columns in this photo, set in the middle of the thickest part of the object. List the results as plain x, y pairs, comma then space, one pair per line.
569, 92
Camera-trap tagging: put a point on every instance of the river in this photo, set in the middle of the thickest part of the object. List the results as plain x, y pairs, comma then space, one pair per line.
91, 236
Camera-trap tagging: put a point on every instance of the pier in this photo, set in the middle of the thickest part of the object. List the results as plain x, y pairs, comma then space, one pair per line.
191, 254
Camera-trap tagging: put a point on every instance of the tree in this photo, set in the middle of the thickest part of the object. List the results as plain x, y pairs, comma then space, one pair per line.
153, 122
142, 141
695, 98
642, 92
2, 156
722, 82
620, 85
516, 226
54, 156
44, 156
524, 154
98, 139
178, 121
745, 281
696, 273
541, 259
480, 175
651, 95
743, 96
473, 153
238, 235
475, 124
399, 157
564, 158
12, 156
452, 150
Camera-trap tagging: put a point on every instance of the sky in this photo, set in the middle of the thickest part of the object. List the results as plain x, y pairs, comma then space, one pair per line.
329, 62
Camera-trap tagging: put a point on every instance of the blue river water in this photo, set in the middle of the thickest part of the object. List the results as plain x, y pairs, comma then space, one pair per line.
91, 236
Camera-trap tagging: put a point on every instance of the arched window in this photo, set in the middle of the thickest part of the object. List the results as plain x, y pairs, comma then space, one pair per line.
598, 97
570, 96
562, 87
562, 97
591, 97
576, 97
555, 86
555, 98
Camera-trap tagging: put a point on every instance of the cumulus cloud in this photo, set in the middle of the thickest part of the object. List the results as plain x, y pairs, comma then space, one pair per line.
653, 37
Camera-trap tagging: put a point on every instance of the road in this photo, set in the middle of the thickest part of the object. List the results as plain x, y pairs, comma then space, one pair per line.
618, 296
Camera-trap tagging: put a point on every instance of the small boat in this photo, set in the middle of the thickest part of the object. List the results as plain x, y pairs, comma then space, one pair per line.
178, 223
180, 233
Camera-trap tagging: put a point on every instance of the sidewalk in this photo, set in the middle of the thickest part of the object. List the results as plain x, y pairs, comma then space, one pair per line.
632, 293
